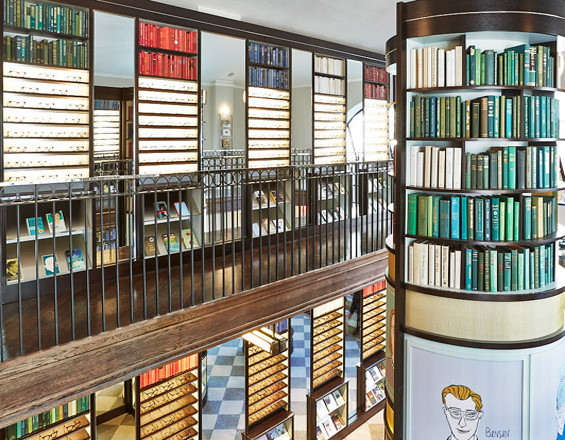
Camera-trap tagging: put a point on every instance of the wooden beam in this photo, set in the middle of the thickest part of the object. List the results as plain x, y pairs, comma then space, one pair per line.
33, 383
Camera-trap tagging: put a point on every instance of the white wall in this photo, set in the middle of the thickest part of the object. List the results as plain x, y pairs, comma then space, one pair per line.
301, 117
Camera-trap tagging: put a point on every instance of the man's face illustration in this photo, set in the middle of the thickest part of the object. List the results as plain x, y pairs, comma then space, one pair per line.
462, 417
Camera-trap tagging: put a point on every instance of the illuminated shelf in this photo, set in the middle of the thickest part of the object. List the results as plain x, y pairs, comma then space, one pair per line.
376, 129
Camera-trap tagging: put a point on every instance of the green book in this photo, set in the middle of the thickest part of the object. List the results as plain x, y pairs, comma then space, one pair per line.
442, 116
486, 171
495, 218
507, 271
475, 118
471, 219
502, 220
500, 271
429, 201
453, 116
481, 271
520, 271
514, 279
435, 216
516, 229
447, 116
474, 160
527, 269
505, 167
458, 119
444, 219
480, 171
509, 219
496, 125
511, 167
422, 216
502, 111
479, 219
468, 158
412, 214
475, 269
493, 271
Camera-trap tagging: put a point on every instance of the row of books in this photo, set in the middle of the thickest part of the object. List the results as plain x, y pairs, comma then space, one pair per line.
168, 66
328, 427
488, 116
331, 215
524, 65
329, 86
329, 66
107, 234
330, 190
373, 73
271, 55
165, 372
375, 91
162, 209
329, 403
375, 395
482, 218
434, 167
47, 418
485, 269
265, 199
189, 240
273, 79
436, 67
55, 222
165, 37
106, 104
46, 17
270, 226
512, 168
61, 53
278, 433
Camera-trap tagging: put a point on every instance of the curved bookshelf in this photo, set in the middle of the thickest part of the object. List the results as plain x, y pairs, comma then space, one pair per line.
488, 191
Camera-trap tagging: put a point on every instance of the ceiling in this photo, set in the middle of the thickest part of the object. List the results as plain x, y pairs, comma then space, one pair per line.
365, 24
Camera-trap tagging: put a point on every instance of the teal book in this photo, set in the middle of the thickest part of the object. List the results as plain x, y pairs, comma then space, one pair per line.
455, 218
489, 67
412, 214
511, 167
422, 216
526, 116
527, 226
474, 160
547, 166
479, 219
508, 118
514, 275
487, 222
475, 269
458, 118
527, 272
507, 271
468, 269
471, 67
495, 219
464, 218
502, 220
509, 219
534, 221
516, 233
444, 218
493, 166
520, 271
435, 216
505, 168
543, 116
493, 270
471, 219
468, 157
500, 270
490, 116
536, 267
531, 109
429, 201
481, 271
537, 126
486, 171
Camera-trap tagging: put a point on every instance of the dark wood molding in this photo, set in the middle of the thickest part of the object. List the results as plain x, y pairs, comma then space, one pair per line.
33, 383
177, 16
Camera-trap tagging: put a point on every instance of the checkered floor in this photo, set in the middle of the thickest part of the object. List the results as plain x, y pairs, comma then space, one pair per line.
223, 414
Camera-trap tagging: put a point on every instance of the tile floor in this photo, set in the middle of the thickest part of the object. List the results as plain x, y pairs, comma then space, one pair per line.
223, 414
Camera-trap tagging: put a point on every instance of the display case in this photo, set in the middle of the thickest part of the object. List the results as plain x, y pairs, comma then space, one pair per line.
267, 376
330, 108
332, 198
168, 401
328, 410
279, 427
268, 105
71, 420
327, 343
371, 382
46, 94
375, 113
168, 95
271, 207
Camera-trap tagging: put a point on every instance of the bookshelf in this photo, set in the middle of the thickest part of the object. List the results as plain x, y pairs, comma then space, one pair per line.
267, 378
327, 343
371, 374
271, 208
329, 96
73, 418
327, 410
168, 401
46, 93
476, 102
269, 84
168, 90
375, 113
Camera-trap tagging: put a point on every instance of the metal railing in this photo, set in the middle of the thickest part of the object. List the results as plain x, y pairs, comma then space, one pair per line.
89, 256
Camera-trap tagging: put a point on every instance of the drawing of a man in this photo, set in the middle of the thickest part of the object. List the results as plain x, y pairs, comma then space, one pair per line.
463, 411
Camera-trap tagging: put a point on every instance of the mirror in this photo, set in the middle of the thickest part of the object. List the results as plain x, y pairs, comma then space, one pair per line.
301, 105
223, 108
114, 77
354, 118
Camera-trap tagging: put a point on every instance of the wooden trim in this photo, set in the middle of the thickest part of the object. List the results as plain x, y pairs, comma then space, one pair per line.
94, 363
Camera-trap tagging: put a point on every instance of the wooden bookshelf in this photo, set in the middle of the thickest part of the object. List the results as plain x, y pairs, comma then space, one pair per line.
268, 109
329, 95
328, 410
168, 99
371, 374
47, 114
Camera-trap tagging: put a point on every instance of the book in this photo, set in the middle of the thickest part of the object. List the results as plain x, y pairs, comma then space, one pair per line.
279, 225
330, 402
337, 422
57, 224
338, 398
188, 239
35, 226
276, 197
181, 209
161, 210
75, 260
171, 243
50, 264
260, 199
12, 269
149, 245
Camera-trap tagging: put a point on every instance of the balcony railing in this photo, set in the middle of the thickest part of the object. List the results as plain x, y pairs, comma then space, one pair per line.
89, 256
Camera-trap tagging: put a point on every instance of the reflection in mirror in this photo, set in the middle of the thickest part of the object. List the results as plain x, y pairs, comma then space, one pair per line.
354, 135
113, 93
223, 108
301, 105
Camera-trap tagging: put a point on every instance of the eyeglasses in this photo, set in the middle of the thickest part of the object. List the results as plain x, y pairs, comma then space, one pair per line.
42, 133
75, 425
43, 149
49, 105
49, 436
458, 413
